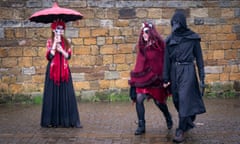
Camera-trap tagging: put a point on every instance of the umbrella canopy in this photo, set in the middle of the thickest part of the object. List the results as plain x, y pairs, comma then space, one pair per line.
51, 14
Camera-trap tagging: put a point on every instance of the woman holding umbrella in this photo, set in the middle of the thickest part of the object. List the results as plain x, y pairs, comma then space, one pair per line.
59, 102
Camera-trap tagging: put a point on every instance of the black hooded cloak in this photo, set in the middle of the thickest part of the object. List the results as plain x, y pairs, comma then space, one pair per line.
183, 53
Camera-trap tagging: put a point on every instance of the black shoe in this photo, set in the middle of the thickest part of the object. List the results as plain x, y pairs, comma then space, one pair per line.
169, 122
179, 136
141, 128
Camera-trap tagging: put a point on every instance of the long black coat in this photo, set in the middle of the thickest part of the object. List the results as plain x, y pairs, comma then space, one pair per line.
182, 55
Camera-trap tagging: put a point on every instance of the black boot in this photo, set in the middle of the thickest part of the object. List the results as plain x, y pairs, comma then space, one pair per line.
166, 113
141, 127
179, 136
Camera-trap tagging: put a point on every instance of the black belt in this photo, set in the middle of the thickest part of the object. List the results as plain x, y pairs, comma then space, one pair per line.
183, 63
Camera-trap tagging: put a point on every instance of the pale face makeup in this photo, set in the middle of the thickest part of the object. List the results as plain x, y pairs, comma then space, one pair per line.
146, 33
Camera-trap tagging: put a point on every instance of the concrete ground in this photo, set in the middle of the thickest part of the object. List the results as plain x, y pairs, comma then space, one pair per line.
114, 123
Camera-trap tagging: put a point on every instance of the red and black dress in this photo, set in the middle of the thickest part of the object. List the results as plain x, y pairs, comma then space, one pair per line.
59, 102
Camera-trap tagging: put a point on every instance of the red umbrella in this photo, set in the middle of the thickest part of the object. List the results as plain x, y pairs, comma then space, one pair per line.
51, 14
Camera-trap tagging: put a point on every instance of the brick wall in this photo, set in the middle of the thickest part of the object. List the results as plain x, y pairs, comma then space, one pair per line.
104, 41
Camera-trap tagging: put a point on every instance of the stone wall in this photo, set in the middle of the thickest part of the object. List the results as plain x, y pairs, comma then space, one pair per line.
104, 41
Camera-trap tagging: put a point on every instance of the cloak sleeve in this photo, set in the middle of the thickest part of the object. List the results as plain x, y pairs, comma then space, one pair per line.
199, 60
49, 56
69, 54
166, 66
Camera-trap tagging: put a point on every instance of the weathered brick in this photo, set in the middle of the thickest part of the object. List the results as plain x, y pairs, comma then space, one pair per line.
3, 52
141, 13
127, 13
89, 41
20, 33
122, 23
9, 33
224, 77
126, 31
100, 40
38, 78
9, 79
125, 74
109, 40
218, 54
212, 78
119, 59
9, 62
107, 59
30, 51
82, 50
213, 69
122, 83
114, 32
230, 54
226, 37
77, 41
236, 44
214, 12
125, 48
118, 39
42, 51
104, 84
25, 61
99, 32
110, 75
234, 76
108, 49
130, 58
15, 88
39, 61
94, 50
94, 76
77, 77
94, 85
84, 32
81, 85
122, 67
77, 4
155, 13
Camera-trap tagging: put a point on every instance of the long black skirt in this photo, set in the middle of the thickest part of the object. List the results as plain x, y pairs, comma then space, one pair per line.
59, 107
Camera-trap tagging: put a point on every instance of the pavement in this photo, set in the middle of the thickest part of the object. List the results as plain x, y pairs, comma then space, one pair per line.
114, 123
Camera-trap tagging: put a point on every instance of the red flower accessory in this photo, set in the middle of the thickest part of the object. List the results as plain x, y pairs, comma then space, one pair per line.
57, 23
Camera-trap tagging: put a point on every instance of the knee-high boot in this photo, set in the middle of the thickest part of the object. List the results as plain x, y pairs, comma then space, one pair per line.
166, 113
141, 127
141, 114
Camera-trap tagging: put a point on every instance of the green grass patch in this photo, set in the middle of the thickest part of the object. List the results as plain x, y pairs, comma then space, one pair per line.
37, 100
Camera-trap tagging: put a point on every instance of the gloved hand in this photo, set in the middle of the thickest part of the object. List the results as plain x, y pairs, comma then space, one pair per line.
133, 93
202, 87
202, 84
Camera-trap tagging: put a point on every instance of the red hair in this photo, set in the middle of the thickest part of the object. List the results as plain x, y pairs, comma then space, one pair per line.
57, 23
154, 37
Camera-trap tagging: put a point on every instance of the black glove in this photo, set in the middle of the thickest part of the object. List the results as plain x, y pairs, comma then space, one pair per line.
202, 84
202, 87
133, 93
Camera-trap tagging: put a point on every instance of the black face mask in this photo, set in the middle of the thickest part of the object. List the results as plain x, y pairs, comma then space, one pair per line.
175, 26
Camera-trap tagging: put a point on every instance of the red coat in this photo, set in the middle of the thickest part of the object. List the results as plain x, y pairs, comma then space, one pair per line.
147, 73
